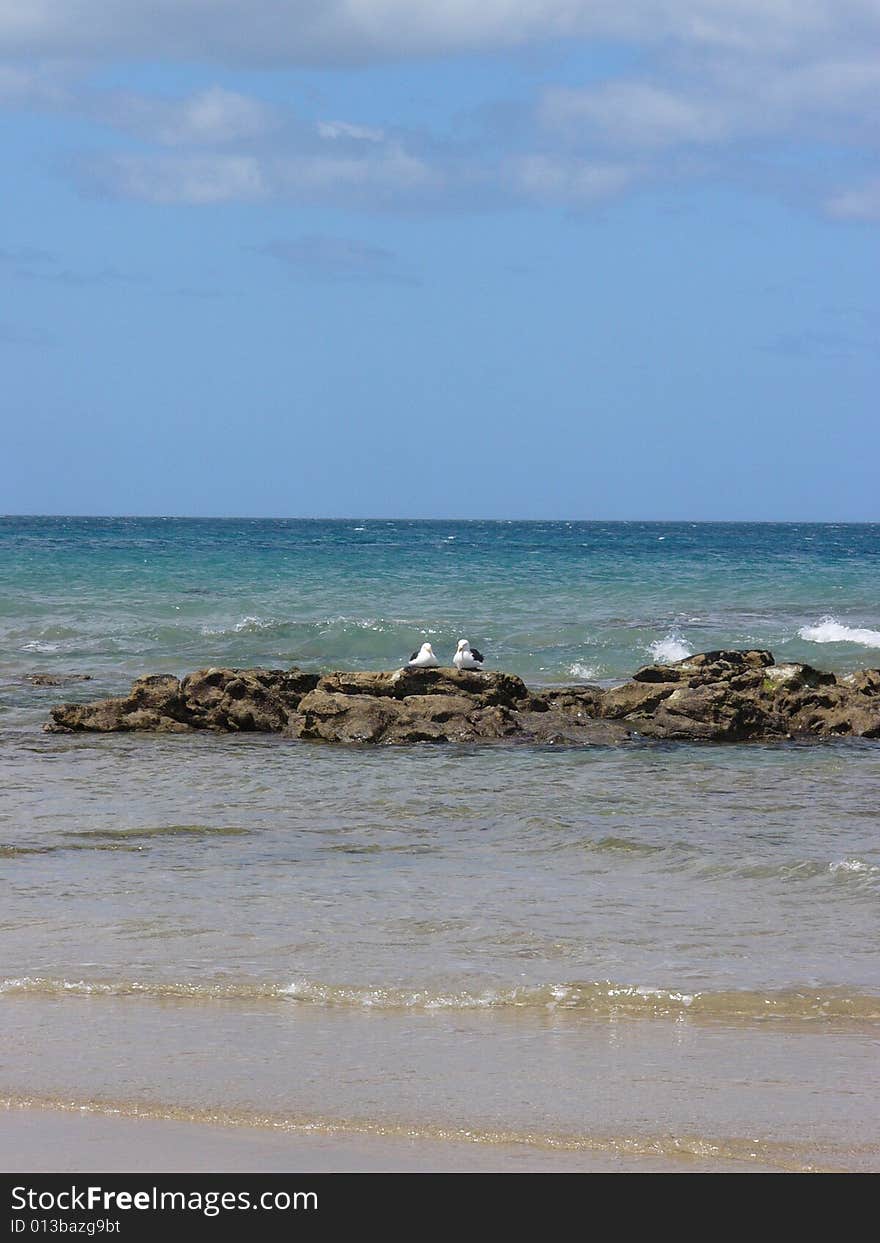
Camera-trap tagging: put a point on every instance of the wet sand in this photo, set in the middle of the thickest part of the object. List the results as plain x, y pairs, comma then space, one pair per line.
46, 1140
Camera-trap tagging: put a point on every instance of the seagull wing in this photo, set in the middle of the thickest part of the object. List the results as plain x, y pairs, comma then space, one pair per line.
414, 655
477, 655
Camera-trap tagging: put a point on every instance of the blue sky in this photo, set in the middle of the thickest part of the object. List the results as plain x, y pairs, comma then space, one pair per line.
532, 258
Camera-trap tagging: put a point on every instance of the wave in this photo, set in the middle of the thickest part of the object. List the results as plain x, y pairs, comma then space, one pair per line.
857, 876
16, 852
788, 1156
116, 839
601, 999
162, 830
829, 630
671, 648
248, 625
585, 672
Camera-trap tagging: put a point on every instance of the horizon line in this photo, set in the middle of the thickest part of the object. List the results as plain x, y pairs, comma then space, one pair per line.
448, 518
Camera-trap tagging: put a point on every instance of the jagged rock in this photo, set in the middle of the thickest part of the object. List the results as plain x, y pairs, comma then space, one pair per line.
713, 696
55, 679
582, 701
216, 699
865, 682
338, 717
727, 661
635, 697
660, 673
154, 702
244, 699
490, 687
710, 712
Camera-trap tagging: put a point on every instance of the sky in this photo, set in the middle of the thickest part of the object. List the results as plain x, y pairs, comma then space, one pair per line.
394, 258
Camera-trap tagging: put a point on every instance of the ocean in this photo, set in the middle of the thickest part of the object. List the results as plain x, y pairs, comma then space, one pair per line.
656, 954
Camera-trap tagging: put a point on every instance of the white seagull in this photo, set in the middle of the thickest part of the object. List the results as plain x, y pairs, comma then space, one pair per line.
424, 658
467, 657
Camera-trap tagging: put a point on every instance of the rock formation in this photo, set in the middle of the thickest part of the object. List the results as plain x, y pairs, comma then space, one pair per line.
724, 696
55, 679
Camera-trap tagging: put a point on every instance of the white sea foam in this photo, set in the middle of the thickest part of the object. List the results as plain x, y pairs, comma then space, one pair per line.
829, 630
673, 647
247, 625
37, 646
250, 625
579, 670
853, 865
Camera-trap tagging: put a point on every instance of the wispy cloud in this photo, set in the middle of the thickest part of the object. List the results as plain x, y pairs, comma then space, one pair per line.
13, 334
338, 32
565, 179
28, 264
209, 118
23, 86
860, 203
324, 258
818, 346
714, 76
716, 100
303, 166
196, 179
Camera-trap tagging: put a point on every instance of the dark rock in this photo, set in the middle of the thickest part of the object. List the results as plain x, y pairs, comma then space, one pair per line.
640, 697
721, 696
866, 682
337, 717
710, 712
729, 659
244, 699
581, 701
660, 673
489, 687
216, 699
55, 679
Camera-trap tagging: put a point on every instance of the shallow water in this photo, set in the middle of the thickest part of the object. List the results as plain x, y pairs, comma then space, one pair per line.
655, 950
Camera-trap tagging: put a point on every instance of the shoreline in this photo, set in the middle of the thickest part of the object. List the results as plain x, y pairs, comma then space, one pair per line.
55, 1138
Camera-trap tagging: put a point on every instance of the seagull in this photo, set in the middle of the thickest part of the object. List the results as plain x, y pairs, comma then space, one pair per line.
467, 657
424, 658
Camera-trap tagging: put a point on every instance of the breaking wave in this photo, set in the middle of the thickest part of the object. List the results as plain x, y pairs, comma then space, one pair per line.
601, 999
828, 630
671, 648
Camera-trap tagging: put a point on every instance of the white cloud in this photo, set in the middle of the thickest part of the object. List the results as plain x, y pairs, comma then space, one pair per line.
377, 176
213, 117
858, 204
344, 129
34, 87
195, 179
345, 31
570, 181
718, 100
386, 179
634, 113
716, 73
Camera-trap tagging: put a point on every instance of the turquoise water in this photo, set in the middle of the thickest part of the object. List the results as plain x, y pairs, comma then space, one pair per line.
665, 951
550, 601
